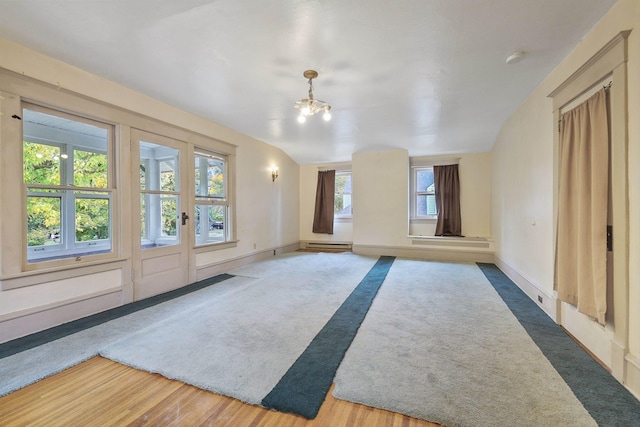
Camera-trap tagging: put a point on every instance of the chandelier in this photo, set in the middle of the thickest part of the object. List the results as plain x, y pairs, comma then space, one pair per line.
310, 106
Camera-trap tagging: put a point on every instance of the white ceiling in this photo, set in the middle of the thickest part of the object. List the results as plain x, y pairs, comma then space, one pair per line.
426, 75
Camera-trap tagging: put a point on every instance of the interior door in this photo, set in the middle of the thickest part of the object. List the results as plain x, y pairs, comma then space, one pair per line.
161, 253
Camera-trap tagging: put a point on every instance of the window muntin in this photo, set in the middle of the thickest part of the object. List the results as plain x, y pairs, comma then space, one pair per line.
159, 195
66, 161
211, 203
342, 205
424, 196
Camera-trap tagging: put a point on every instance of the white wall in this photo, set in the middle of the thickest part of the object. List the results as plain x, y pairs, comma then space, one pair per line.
523, 169
380, 222
380, 198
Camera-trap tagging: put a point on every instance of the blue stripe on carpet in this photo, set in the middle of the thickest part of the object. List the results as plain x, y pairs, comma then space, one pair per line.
608, 402
19, 345
304, 386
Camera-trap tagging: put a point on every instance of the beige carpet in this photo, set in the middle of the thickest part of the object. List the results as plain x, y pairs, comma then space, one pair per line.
439, 344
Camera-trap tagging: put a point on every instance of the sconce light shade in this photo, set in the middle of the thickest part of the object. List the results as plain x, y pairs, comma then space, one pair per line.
274, 174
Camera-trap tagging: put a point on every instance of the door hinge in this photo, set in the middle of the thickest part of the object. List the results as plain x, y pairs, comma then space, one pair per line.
609, 238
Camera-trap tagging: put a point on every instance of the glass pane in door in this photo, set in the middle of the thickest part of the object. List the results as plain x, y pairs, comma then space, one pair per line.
159, 195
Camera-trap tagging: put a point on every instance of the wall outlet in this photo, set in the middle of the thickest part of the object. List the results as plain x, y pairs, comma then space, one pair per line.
539, 299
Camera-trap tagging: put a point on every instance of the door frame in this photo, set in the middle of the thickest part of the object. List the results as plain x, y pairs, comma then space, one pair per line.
610, 60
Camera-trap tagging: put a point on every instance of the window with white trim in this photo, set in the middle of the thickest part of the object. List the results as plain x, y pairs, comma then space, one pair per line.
343, 195
68, 185
423, 202
211, 201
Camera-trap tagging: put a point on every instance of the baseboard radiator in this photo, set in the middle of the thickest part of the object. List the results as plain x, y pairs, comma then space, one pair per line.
328, 245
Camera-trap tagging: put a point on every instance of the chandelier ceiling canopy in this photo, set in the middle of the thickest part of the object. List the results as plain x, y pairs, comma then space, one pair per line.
311, 106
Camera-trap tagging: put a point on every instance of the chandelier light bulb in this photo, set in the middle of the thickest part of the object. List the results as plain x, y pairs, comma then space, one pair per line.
311, 106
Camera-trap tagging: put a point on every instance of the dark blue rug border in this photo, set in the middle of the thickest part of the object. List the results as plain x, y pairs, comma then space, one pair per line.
19, 345
303, 388
608, 402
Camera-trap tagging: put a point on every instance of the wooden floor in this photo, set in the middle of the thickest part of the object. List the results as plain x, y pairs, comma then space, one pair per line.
100, 392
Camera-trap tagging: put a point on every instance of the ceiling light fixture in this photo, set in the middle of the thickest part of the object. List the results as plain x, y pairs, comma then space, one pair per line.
310, 106
515, 57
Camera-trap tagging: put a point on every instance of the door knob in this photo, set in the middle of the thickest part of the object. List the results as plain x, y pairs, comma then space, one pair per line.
185, 217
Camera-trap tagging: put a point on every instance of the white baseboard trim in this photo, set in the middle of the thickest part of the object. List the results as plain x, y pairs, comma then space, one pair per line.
618, 360
632, 377
220, 267
439, 254
535, 292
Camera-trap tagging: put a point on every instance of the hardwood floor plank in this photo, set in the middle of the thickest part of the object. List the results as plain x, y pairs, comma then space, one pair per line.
100, 392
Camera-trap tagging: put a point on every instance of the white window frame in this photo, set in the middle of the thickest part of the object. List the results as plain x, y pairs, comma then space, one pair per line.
421, 163
68, 194
208, 201
415, 193
345, 217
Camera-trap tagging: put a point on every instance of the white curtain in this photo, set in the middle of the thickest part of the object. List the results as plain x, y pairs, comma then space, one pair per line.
581, 246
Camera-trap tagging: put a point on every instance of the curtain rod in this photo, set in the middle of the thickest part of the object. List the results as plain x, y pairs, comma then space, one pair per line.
605, 87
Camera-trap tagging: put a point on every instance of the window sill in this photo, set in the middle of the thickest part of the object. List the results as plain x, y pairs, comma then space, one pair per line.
342, 219
215, 246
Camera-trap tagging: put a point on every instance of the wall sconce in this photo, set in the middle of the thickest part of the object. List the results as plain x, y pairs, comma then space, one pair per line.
274, 174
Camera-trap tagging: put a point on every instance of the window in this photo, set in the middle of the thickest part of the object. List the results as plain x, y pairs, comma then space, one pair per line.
342, 199
159, 195
423, 193
211, 201
67, 181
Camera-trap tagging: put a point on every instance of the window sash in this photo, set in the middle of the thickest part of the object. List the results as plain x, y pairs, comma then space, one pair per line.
416, 194
67, 244
206, 203
345, 199
69, 135
202, 170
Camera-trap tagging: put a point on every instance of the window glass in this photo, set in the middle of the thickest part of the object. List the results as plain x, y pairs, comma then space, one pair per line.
342, 197
167, 174
210, 176
211, 204
424, 179
43, 221
169, 215
159, 195
41, 163
89, 169
92, 219
210, 223
424, 192
60, 154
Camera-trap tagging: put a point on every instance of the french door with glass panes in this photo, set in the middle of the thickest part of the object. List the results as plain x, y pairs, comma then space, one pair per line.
161, 253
